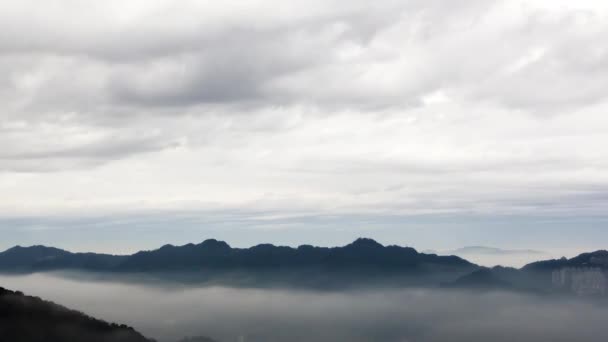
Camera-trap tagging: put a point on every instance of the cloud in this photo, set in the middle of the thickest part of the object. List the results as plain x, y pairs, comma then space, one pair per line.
477, 106
322, 53
43, 147
283, 315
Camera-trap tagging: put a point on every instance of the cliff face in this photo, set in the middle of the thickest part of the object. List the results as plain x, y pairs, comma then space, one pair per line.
582, 281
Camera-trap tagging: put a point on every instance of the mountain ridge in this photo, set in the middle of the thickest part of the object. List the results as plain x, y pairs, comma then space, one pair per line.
363, 261
212, 253
597, 259
493, 250
30, 319
215, 253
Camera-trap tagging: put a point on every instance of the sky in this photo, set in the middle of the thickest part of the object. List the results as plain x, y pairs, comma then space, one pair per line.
434, 124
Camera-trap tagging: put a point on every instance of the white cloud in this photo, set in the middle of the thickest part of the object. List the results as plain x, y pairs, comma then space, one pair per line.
390, 106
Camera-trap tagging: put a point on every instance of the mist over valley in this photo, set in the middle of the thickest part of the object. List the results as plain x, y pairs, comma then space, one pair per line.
236, 314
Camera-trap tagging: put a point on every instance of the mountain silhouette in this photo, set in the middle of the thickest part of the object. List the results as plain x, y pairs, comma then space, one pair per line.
363, 261
534, 277
40, 258
597, 259
362, 254
31, 319
483, 278
484, 250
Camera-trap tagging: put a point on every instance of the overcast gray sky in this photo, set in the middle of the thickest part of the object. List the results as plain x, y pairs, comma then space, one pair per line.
303, 120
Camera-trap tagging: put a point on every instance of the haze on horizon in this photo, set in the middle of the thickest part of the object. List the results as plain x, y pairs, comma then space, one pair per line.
431, 124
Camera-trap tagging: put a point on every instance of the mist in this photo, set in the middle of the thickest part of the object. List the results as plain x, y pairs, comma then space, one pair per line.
168, 313
519, 259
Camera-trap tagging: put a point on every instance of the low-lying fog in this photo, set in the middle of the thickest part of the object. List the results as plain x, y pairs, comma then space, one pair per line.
512, 260
228, 314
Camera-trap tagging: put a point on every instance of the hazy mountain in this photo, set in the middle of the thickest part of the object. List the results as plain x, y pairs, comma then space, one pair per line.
31, 319
492, 251
37, 258
362, 254
484, 250
492, 256
483, 278
25, 257
598, 259
589, 269
361, 262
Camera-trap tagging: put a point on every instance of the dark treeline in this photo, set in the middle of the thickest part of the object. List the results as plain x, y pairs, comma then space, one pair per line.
31, 319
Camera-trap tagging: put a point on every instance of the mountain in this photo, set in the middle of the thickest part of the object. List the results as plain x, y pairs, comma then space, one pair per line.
493, 251
492, 256
212, 261
583, 275
213, 254
31, 319
362, 254
597, 259
42, 258
483, 278
26, 257
360, 263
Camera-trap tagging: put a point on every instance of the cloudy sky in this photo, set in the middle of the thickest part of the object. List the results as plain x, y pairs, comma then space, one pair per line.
429, 123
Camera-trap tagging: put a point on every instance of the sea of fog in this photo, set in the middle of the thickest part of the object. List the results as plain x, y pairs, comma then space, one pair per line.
168, 313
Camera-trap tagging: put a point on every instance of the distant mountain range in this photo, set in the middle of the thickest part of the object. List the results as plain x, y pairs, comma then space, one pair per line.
362, 257
483, 278
491, 256
586, 274
598, 259
39, 258
493, 251
484, 250
31, 319
361, 262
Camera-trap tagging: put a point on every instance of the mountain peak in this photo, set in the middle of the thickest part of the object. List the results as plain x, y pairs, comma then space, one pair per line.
35, 249
366, 242
213, 243
600, 253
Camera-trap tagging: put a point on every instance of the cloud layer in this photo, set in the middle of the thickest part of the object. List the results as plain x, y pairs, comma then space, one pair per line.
401, 107
288, 315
